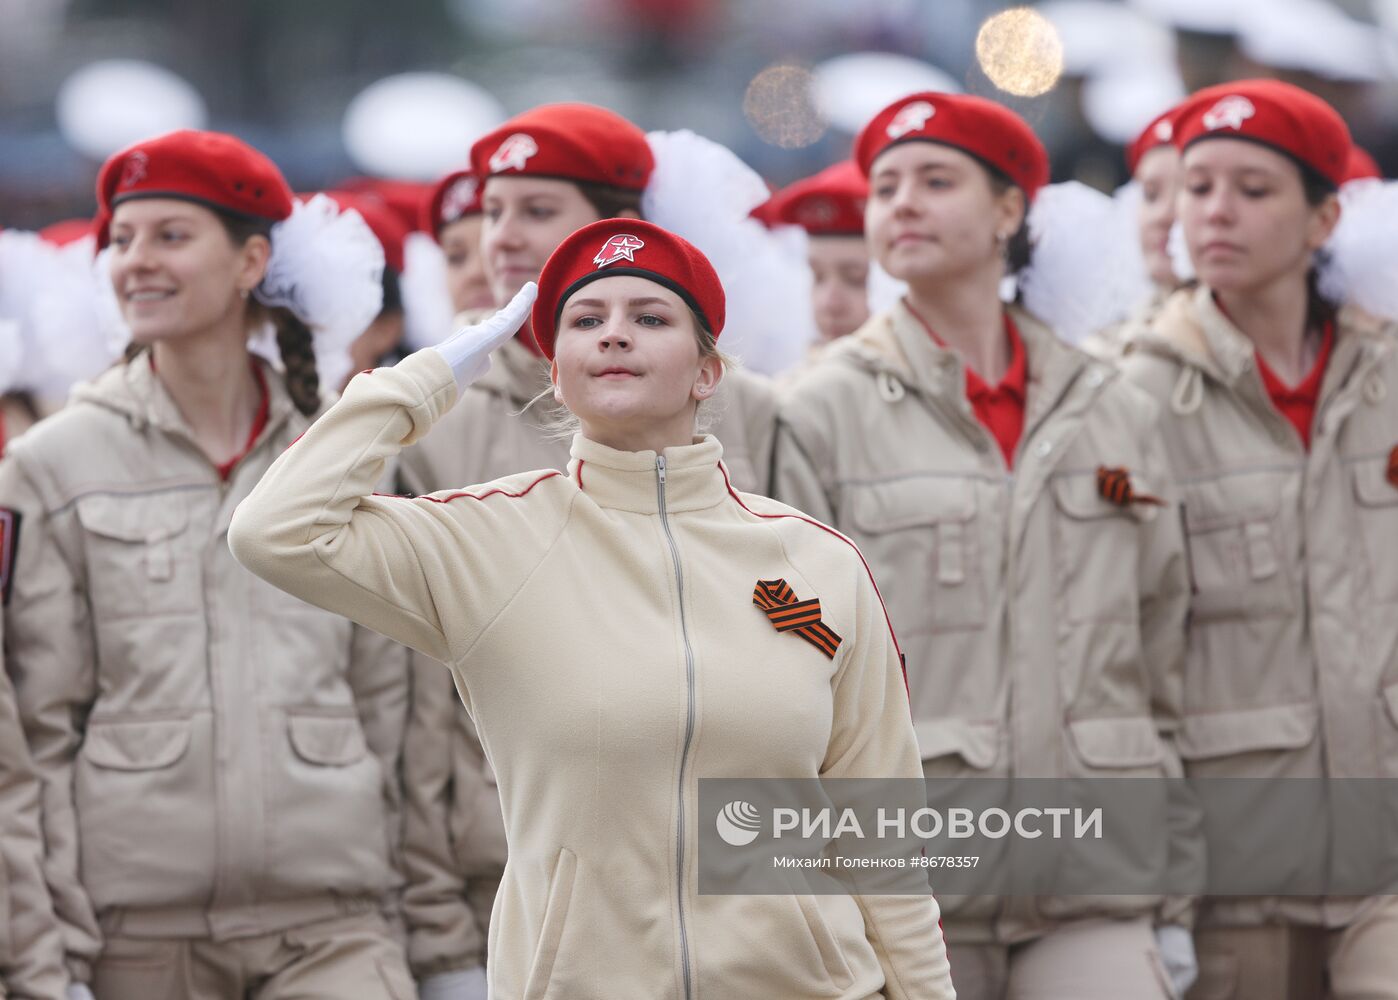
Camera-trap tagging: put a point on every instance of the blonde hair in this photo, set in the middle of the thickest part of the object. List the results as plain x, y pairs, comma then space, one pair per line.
560, 423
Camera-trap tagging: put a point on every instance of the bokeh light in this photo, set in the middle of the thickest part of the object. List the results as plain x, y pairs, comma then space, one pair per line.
853, 87
780, 105
108, 105
1020, 51
417, 126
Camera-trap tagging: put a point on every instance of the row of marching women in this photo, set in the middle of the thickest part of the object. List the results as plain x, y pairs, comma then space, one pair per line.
402, 683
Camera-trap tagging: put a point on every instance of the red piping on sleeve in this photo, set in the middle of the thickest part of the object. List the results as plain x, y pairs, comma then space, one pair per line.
801, 517
487, 493
581, 463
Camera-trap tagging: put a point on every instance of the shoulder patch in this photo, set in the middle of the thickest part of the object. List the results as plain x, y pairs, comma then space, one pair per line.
9, 548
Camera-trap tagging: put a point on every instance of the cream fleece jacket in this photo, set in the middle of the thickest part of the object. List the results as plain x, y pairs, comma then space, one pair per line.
600, 627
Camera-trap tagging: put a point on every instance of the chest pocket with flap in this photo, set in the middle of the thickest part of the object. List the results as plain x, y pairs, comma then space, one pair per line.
920, 536
140, 558
1236, 557
1095, 549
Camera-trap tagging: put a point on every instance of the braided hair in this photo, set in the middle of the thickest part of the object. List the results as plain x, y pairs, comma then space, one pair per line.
294, 339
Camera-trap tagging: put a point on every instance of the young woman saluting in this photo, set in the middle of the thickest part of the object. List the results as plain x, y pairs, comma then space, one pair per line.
601, 628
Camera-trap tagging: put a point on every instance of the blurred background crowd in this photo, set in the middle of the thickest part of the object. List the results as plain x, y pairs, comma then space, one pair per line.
335, 88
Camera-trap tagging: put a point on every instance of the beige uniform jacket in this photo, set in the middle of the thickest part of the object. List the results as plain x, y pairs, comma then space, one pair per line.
601, 630
218, 759
1043, 624
1292, 666
454, 841
31, 945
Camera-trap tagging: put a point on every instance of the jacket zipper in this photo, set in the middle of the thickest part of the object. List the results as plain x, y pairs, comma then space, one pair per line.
688, 725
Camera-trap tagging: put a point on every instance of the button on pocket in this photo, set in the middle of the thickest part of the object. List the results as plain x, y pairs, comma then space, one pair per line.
1234, 533
920, 536
139, 561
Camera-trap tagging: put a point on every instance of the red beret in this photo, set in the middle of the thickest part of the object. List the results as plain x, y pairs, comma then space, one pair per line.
625, 246
1286, 118
210, 168
387, 227
456, 196
1361, 165
405, 198
1160, 132
990, 132
575, 142
829, 204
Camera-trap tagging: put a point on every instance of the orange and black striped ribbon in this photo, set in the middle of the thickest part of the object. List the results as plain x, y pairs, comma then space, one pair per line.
787, 614
1115, 487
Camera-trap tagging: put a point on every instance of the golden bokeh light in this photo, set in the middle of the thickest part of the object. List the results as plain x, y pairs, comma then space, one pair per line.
1020, 51
780, 105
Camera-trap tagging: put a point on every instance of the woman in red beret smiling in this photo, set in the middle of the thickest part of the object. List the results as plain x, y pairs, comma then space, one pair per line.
1007, 490
1281, 422
604, 629
218, 760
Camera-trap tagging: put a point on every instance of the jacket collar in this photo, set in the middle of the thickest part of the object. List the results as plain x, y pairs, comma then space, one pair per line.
695, 477
897, 343
1192, 330
134, 390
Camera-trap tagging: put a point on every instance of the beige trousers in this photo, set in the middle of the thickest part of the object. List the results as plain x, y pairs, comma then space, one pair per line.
344, 957
1287, 962
1082, 960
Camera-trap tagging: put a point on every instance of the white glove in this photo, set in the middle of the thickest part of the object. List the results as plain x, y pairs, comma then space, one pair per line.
1176, 945
79, 991
466, 984
468, 349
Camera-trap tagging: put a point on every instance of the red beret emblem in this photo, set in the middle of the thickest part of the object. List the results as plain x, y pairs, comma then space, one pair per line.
458, 199
816, 212
620, 247
1164, 130
133, 171
513, 153
911, 118
1230, 112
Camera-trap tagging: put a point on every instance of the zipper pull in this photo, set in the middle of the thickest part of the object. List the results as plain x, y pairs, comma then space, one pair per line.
660, 468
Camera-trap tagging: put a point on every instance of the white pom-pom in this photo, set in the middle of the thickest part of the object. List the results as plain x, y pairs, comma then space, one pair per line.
1178, 249
1083, 276
50, 293
11, 354
115, 333
701, 190
327, 268
427, 307
68, 342
884, 289
1362, 264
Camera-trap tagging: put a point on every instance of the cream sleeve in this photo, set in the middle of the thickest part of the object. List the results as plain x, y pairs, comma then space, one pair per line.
430, 572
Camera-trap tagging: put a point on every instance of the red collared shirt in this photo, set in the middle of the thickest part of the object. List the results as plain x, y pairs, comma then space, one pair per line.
999, 408
259, 424
1297, 403
259, 420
